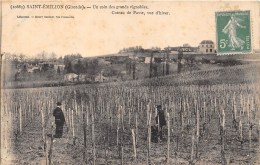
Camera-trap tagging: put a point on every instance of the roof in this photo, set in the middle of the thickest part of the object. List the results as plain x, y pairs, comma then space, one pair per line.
207, 42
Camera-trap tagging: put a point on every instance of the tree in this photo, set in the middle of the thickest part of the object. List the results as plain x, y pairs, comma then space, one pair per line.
21, 57
58, 70
94, 67
45, 67
134, 69
155, 70
68, 61
79, 67
53, 56
180, 55
12, 58
16, 76
86, 66
60, 59
71, 57
167, 64
151, 66
68, 67
43, 55
128, 66
24, 69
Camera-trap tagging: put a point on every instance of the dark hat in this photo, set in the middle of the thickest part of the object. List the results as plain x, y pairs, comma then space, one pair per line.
58, 103
159, 107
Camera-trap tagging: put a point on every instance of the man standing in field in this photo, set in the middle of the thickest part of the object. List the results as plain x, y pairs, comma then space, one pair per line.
59, 120
160, 118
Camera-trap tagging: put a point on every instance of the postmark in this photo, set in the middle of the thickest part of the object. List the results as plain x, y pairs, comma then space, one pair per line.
233, 32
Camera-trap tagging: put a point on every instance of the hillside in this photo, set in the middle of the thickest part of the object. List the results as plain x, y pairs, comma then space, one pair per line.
239, 74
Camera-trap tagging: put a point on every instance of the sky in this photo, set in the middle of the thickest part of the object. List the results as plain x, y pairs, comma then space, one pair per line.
94, 32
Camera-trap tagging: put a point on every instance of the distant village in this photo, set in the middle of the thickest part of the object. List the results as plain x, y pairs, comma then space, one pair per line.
129, 63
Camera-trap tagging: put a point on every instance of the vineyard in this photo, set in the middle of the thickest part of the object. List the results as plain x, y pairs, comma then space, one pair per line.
207, 123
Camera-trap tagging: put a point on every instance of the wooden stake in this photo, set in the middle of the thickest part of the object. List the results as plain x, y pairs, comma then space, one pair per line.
122, 117
192, 146
258, 140
136, 128
73, 127
21, 120
129, 117
168, 138
107, 147
50, 150
85, 139
93, 137
134, 144
122, 148
69, 118
118, 123
223, 132
250, 137
241, 133
87, 109
149, 134
197, 130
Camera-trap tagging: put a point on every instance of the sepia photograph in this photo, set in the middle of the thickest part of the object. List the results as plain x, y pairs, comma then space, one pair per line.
130, 82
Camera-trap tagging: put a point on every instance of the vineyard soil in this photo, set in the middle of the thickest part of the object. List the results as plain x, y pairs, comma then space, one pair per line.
208, 124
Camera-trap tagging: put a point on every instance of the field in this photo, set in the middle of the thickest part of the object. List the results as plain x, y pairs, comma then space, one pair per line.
212, 118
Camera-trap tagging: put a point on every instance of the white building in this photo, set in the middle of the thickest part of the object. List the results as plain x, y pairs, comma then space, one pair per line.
100, 78
147, 60
84, 78
70, 77
60, 66
207, 47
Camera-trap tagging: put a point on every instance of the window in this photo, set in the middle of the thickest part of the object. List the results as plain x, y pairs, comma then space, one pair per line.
206, 50
210, 50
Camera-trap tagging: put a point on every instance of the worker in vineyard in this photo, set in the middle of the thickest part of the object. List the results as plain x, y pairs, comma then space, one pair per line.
59, 120
160, 118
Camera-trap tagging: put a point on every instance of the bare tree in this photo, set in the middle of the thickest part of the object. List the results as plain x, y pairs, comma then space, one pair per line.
53, 56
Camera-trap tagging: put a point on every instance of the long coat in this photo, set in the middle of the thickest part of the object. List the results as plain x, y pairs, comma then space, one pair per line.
162, 121
59, 116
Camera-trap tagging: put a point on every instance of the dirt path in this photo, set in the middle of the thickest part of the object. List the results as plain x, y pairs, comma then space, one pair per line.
29, 148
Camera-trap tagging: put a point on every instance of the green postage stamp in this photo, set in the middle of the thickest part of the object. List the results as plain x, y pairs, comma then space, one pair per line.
233, 32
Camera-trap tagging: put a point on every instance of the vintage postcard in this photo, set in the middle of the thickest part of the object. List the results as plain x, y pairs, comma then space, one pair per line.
130, 82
